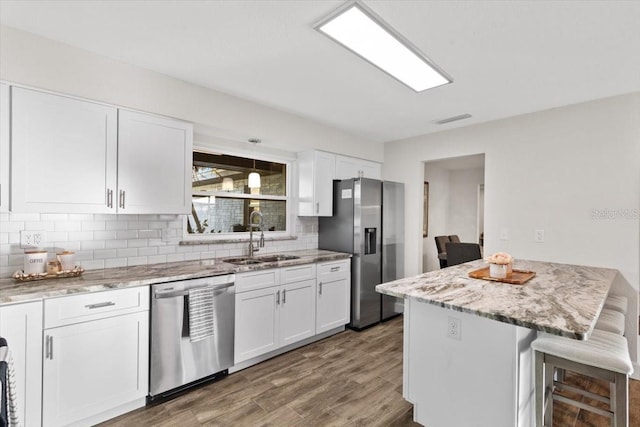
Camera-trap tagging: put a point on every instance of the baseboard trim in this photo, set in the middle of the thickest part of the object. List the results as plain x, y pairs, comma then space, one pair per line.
247, 363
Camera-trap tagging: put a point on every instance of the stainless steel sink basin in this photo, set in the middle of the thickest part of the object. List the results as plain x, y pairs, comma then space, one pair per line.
242, 261
261, 259
277, 257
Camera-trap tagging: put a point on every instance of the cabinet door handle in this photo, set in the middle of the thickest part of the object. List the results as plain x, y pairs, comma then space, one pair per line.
49, 348
100, 305
320, 288
317, 207
334, 269
121, 201
109, 198
284, 296
278, 298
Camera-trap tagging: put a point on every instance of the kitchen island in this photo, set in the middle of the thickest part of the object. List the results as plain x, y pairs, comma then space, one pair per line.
467, 357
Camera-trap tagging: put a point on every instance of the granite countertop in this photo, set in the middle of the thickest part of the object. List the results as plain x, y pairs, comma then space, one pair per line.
125, 277
562, 299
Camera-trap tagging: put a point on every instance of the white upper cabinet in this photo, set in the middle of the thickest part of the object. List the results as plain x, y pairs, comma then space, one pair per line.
74, 156
351, 167
316, 172
154, 164
5, 134
63, 153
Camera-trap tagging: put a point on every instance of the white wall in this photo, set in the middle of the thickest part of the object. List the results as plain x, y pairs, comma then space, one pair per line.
463, 203
438, 179
550, 170
35, 61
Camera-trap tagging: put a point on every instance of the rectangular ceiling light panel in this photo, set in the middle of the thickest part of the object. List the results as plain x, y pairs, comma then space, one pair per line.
367, 35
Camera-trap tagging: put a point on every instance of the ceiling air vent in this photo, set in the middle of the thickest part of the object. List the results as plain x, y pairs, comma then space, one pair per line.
453, 119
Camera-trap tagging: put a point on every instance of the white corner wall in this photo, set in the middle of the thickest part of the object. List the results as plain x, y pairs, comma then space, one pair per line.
438, 179
463, 203
573, 171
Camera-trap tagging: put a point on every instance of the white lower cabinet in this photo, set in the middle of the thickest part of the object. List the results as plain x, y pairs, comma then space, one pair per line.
97, 365
257, 325
275, 316
297, 311
333, 307
21, 326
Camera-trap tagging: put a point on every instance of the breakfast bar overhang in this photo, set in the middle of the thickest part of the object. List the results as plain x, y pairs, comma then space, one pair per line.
467, 355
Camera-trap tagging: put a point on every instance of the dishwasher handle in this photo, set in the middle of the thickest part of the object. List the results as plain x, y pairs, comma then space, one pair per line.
185, 292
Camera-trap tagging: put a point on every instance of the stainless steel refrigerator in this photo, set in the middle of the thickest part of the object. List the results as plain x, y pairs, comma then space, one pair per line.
368, 222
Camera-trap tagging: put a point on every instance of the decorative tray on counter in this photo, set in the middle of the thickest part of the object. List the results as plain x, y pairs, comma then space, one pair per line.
517, 277
21, 276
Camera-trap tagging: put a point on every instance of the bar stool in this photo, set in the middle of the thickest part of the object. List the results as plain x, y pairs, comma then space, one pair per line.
617, 302
604, 356
611, 321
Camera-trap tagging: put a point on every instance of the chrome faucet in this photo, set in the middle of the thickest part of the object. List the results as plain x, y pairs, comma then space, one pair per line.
252, 248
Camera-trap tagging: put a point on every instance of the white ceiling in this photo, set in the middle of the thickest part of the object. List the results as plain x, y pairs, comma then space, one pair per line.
506, 57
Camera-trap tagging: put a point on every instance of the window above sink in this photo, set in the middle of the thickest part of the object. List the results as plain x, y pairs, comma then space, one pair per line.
222, 199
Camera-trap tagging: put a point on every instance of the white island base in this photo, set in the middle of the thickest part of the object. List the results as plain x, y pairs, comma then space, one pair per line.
483, 377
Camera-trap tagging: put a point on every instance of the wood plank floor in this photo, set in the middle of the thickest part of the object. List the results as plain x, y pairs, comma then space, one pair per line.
350, 379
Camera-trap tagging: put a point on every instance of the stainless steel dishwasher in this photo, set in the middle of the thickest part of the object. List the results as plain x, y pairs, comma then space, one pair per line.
192, 327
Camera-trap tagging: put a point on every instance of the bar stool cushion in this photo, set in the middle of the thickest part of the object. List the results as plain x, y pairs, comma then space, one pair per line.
611, 321
617, 303
603, 349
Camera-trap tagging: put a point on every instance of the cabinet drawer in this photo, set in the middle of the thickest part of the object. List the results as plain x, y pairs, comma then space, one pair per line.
257, 280
297, 273
335, 269
95, 305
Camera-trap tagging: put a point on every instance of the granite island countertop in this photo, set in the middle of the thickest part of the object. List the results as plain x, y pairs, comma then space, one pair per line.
562, 299
125, 277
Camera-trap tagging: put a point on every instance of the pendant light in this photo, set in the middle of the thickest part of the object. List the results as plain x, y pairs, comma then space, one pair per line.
227, 184
254, 177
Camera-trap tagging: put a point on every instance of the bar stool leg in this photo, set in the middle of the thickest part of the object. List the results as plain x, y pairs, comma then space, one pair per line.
540, 388
620, 401
549, 371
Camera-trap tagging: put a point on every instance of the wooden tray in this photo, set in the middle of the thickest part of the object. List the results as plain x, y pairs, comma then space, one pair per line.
517, 277
20, 276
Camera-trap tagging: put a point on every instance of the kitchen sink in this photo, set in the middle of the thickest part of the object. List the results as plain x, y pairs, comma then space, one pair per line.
277, 257
261, 259
242, 261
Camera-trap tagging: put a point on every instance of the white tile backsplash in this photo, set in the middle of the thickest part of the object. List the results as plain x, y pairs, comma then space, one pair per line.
107, 241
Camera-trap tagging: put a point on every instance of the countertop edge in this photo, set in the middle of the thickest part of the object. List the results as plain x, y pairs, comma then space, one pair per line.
145, 275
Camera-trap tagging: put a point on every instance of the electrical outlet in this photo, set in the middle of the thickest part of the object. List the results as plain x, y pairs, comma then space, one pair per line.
454, 328
539, 236
31, 239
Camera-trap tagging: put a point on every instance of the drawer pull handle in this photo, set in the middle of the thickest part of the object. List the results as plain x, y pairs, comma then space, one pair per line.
335, 269
284, 296
100, 305
278, 298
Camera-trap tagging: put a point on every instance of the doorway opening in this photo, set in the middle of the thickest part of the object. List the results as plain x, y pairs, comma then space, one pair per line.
455, 203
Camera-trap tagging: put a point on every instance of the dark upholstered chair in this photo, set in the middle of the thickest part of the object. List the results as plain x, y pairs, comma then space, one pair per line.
454, 239
458, 253
441, 241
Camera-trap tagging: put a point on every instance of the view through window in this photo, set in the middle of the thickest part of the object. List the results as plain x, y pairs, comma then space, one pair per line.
223, 201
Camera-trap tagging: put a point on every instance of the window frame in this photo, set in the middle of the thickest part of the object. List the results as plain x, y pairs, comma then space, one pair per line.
288, 233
